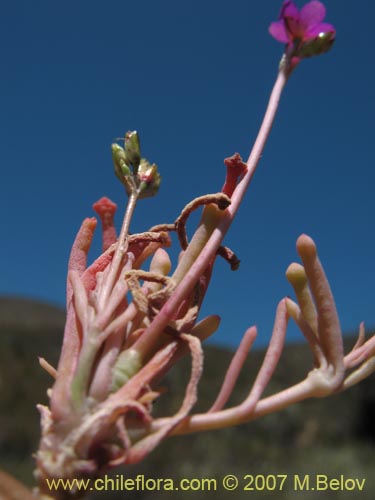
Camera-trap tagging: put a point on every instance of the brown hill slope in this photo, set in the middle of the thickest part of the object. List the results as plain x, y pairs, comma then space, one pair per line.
333, 436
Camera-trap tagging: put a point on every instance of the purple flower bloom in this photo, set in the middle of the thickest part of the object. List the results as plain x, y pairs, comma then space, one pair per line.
303, 31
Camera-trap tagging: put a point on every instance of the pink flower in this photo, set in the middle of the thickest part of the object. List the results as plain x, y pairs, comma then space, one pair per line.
303, 31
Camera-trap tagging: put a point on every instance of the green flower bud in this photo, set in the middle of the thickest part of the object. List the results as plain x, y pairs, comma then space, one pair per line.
316, 46
120, 161
149, 179
133, 150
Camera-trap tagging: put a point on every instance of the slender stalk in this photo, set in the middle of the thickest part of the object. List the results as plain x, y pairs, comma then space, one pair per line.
150, 335
110, 281
241, 414
234, 370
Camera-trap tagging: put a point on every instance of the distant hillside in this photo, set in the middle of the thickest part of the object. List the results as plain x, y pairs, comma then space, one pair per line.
334, 436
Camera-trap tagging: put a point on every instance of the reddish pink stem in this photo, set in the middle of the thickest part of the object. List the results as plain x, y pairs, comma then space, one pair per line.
234, 369
159, 323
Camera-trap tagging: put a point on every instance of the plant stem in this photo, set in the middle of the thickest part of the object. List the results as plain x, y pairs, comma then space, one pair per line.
91, 343
110, 280
150, 335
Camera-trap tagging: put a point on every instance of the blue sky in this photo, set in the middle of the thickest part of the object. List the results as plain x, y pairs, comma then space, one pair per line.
193, 78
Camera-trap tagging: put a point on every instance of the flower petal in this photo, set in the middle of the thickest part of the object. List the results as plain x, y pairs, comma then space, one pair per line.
292, 21
312, 13
278, 31
289, 9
